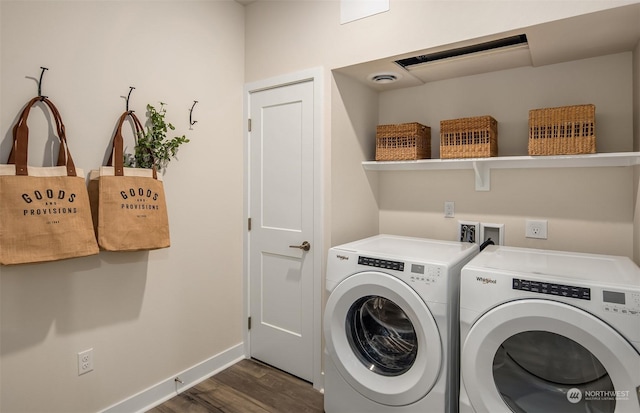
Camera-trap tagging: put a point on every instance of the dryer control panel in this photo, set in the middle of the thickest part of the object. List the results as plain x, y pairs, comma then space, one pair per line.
613, 302
562, 290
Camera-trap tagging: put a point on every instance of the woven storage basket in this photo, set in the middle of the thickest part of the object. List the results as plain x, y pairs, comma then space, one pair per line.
475, 137
566, 130
401, 142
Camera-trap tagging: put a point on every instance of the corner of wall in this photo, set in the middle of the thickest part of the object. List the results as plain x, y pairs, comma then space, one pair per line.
636, 147
354, 109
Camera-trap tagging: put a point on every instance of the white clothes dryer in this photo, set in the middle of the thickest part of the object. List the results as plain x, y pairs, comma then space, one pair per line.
390, 325
549, 332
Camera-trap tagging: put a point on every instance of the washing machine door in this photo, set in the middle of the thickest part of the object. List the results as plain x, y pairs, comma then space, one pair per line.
382, 338
541, 356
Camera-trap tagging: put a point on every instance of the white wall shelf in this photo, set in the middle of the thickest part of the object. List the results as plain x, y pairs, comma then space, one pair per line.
482, 166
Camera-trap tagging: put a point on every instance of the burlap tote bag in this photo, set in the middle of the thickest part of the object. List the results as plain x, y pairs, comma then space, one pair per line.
128, 204
44, 211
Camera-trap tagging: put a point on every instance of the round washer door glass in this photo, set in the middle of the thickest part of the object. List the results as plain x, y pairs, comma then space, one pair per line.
382, 338
540, 371
381, 335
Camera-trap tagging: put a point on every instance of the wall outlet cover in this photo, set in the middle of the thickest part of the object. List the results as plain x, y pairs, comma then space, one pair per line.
85, 361
536, 228
449, 209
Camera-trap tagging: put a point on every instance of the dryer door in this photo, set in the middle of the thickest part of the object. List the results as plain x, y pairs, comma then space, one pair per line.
382, 338
544, 356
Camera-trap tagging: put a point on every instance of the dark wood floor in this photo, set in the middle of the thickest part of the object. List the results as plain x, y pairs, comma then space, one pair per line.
247, 387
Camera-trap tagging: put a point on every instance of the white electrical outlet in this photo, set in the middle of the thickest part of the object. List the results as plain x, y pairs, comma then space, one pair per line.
85, 361
449, 209
468, 231
536, 228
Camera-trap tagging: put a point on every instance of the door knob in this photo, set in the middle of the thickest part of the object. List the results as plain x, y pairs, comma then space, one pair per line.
304, 247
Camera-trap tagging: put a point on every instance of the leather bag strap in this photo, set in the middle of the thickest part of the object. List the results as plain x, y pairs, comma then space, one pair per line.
116, 159
20, 148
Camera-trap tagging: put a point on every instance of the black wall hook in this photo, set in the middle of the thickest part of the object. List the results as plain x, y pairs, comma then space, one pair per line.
128, 96
192, 122
40, 83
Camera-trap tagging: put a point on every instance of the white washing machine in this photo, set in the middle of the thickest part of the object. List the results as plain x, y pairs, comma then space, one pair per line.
548, 331
390, 325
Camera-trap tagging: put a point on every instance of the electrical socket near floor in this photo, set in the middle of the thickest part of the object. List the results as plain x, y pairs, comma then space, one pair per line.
85, 361
468, 231
536, 228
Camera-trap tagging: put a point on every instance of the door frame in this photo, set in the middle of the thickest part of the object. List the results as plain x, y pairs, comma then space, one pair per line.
314, 75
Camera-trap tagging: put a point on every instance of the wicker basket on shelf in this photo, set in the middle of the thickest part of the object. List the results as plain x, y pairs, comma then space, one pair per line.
474, 137
401, 142
566, 130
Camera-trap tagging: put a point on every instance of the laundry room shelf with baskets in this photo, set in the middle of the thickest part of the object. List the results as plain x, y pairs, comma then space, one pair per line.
482, 166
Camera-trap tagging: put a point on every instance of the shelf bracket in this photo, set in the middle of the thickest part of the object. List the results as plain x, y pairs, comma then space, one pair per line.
482, 173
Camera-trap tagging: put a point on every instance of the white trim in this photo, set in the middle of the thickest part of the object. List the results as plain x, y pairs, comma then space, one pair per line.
316, 75
168, 388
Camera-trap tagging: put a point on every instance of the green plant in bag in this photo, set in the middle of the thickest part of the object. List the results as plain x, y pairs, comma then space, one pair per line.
153, 148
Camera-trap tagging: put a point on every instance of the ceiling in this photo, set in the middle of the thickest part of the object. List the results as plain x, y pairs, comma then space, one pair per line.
596, 34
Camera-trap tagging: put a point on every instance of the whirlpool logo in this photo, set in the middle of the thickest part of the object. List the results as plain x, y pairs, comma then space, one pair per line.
485, 280
342, 257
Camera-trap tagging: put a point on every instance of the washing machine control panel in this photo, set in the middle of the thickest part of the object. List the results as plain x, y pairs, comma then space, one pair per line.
424, 273
562, 290
428, 274
380, 263
619, 302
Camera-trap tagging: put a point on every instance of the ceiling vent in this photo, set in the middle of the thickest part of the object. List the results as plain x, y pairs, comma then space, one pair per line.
383, 78
507, 42
484, 57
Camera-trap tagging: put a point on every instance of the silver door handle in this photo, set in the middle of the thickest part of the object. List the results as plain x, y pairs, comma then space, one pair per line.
304, 247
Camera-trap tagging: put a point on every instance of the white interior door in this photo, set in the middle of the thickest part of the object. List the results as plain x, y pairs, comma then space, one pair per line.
281, 202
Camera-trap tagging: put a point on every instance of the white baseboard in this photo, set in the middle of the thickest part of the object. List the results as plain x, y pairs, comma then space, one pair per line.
166, 389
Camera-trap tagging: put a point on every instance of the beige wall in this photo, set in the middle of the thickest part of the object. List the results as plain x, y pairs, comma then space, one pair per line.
320, 40
147, 315
354, 108
151, 315
588, 209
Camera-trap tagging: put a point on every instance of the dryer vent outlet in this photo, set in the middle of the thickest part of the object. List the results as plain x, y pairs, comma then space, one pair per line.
468, 231
493, 231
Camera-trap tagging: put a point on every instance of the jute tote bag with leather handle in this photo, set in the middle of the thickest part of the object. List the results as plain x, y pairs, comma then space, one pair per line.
128, 204
44, 211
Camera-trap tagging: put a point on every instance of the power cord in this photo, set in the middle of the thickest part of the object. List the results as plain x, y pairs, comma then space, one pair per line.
485, 244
